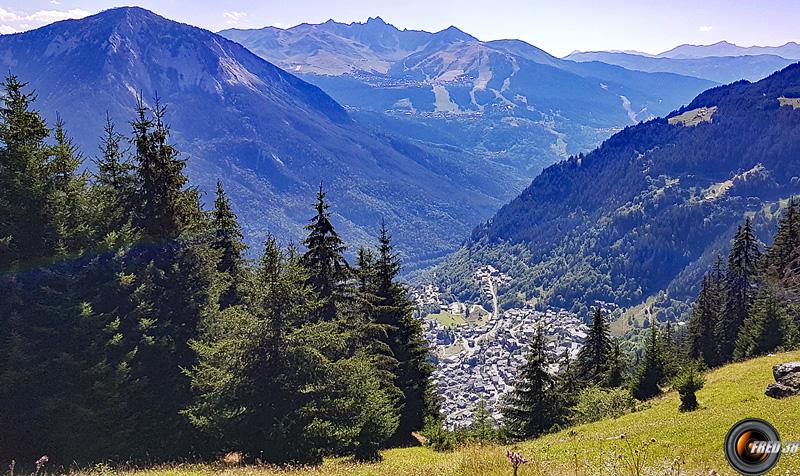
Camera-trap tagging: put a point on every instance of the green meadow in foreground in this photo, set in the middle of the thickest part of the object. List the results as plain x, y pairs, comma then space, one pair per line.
658, 440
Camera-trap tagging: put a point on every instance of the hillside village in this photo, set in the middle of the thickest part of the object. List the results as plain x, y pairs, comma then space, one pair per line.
478, 351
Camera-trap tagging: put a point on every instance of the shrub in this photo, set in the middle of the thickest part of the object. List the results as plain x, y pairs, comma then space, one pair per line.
438, 437
688, 382
595, 403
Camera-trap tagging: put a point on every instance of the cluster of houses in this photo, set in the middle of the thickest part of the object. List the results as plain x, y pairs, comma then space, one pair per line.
480, 360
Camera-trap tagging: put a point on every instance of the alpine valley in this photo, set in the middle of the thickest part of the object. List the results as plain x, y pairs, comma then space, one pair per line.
639, 220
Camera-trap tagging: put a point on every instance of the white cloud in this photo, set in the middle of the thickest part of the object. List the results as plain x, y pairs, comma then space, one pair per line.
6, 15
13, 21
55, 2
233, 17
706, 28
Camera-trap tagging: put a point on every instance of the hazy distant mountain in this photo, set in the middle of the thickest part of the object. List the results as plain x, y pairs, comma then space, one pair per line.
646, 213
790, 50
506, 100
271, 137
721, 69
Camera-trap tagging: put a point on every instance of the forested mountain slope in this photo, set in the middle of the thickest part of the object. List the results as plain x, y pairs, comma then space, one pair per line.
270, 136
649, 209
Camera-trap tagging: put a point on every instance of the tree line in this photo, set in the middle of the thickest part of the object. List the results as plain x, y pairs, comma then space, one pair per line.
133, 327
747, 306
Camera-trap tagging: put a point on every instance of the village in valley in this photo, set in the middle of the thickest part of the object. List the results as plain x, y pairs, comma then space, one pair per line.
478, 351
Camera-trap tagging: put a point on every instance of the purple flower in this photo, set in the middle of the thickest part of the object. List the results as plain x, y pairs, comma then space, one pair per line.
515, 458
42, 461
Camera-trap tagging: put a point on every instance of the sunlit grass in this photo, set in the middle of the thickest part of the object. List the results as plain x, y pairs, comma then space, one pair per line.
685, 443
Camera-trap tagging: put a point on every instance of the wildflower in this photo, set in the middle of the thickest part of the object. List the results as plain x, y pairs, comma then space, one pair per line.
516, 459
41, 462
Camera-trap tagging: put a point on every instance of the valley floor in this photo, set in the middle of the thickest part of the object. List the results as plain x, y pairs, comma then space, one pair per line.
668, 442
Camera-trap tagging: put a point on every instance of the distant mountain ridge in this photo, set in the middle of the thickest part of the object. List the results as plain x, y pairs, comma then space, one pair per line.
721, 69
642, 217
789, 50
270, 136
506, 100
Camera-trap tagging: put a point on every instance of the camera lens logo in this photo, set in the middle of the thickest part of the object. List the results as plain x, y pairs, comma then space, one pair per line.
752, 447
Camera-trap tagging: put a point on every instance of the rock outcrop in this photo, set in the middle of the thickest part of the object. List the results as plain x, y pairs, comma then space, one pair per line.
787, 380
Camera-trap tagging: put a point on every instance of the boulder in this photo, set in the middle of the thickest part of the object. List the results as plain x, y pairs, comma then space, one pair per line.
791, 380
787, 380
782, 370
779, 390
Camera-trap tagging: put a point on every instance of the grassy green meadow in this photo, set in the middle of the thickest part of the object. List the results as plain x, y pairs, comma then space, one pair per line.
664, 441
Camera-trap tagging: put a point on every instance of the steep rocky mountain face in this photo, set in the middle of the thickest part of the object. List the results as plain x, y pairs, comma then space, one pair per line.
790, 50
721, 69
270, 136
506, 101
645, 215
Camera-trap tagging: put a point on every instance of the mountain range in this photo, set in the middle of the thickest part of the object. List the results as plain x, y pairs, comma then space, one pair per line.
506, 101
271, 137
641, 218
790, 50
720, 69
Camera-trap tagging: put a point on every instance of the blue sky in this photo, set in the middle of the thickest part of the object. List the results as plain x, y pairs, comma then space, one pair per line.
558, 26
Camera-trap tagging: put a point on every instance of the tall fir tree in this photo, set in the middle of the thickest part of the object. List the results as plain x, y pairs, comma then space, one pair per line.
617, 366
114, 183
170, 282
27, 234
593, 356
533, 407
766, 328
651, 370
740, 284
324, 259
404, 335
785, 243
68, 201
703, 325
229, 243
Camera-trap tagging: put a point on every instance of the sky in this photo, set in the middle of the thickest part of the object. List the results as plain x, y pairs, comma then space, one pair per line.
557, 26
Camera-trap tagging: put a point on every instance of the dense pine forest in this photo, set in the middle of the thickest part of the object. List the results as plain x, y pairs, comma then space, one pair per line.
133, 327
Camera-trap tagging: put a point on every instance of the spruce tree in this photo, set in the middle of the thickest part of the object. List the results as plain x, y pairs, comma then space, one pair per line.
483, 428
533, 407
170, 286
68, 200
27, 234
114, 183
651, 370
766, 328
617, 366
593, 356
228, 242
740, 282
569, 383
787, 239
160, 182
703, 326
282, 387
404, 335
324, 260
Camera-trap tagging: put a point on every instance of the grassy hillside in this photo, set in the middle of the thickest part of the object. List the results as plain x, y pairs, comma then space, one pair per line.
676, 443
